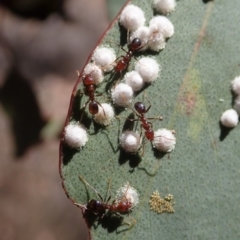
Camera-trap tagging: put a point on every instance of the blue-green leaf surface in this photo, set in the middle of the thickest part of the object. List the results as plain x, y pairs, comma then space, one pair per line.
203, 172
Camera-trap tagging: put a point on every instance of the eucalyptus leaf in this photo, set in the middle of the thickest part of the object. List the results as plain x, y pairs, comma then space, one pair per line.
203, 171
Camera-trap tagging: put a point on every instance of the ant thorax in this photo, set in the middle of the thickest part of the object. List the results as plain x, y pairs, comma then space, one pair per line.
124, 61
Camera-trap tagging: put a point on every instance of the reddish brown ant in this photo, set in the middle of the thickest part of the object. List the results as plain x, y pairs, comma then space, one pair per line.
123, 62
100, 208
89, 90
140, 111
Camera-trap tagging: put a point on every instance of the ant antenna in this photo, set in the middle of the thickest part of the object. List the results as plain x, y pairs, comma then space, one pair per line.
86, 183
108, 189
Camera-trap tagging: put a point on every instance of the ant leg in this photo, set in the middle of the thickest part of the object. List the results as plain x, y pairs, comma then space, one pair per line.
83, 110
108, 189
86, 183
130, 224
145, 96
99, 104
142, 149
171, 139
128, 37
80, 205
155, 118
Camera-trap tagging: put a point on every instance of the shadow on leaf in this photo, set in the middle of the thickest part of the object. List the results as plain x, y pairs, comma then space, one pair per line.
224, 131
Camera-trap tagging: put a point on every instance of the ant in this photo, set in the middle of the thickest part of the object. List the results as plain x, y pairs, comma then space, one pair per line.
124, 61
89, 90
140, 111
101, 208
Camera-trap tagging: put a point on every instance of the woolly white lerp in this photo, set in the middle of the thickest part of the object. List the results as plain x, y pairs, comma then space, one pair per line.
164, 140
122, 94
132, 17
134, 80
235, 84
230, 118
105, 114
130, 141
157, 42
148, 68
104, 57
129, 193
160, 28
144, 34
237, 104
75, 135
95, 71
164, 6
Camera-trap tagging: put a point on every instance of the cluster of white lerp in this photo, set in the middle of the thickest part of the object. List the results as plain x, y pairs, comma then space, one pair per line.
146, 71
164, 6
75, 135
230, 117
130, 141
160, 28
127, 193
104, 57
122, 95
105, 114
236, 89
164, 140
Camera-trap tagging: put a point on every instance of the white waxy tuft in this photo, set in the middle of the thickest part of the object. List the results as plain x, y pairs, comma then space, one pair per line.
75, 135
237, 104
105, 114
164, 140
130, 141
230, 118
95, 71
160, 25
122, 94
164, 6
105, 58
144, 34
132, 17
157, 42
235, 84
148, 68
129, 193
134, 80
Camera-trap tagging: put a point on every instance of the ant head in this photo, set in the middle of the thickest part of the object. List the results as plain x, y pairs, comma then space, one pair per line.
140, 107
92, 204
135, 44
95, 206
88, 80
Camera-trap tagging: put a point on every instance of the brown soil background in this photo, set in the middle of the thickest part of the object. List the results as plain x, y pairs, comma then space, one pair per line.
39, 55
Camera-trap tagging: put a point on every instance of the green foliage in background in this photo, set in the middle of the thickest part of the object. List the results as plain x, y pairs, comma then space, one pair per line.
203, 172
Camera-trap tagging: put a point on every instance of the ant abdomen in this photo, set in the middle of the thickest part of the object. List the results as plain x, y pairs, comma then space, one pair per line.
93, 107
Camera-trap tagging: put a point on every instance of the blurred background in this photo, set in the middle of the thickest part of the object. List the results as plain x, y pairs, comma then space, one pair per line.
42, 44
